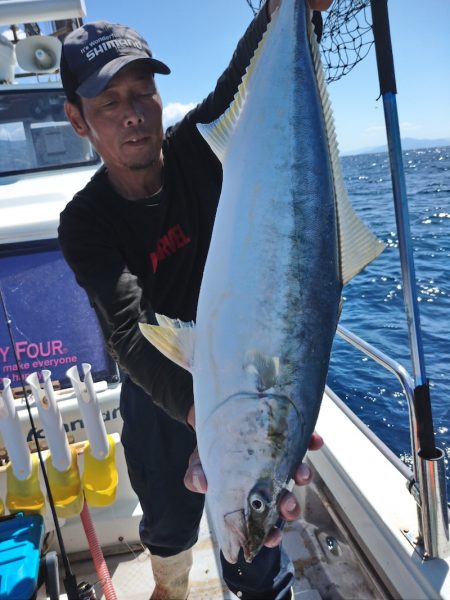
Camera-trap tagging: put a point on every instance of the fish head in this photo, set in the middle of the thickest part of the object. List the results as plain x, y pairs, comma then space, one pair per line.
248, 528
261, 515
255, 439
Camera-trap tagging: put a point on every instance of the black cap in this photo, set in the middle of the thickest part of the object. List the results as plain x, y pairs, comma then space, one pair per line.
94, 53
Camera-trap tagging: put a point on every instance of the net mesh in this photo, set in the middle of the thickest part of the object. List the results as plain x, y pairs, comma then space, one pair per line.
347, 35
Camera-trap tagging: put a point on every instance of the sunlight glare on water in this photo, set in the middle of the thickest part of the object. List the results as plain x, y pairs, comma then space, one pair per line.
373, 300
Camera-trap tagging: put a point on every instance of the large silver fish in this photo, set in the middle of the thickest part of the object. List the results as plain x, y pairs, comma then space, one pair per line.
285, 240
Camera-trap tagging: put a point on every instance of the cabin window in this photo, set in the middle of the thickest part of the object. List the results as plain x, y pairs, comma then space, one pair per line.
35, 134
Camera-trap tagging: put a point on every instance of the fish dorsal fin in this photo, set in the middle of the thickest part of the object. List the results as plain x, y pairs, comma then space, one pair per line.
265, 369
218, 132
173, 338
357, 244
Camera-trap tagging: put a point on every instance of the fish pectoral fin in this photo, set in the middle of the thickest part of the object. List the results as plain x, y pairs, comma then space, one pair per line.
265, 369
173, 338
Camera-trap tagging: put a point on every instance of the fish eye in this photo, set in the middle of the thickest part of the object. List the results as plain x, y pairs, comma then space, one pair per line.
257, 502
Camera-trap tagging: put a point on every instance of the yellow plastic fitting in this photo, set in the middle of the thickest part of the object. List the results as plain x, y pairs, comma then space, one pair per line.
24, 494
66, 487
100, 477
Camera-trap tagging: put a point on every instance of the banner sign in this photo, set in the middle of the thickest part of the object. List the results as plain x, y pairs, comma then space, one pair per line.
53, 325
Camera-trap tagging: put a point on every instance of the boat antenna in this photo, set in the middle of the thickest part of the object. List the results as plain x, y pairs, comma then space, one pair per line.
70, 583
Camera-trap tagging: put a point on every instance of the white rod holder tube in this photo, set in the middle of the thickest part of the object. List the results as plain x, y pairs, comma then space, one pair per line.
50, 417
90, 410
12, 434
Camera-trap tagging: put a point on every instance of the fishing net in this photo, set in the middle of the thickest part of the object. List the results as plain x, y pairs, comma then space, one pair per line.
346, 38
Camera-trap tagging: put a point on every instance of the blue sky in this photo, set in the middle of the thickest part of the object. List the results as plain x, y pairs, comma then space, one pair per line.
197, 38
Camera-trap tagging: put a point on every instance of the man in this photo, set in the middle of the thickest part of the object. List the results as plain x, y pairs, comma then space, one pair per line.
136, 238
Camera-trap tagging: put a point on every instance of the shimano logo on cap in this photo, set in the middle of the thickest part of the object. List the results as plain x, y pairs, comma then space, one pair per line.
100, 47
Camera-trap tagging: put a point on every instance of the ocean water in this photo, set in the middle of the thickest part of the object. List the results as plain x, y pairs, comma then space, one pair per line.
373, 300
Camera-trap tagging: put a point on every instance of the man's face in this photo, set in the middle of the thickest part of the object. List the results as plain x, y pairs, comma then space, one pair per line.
124, 122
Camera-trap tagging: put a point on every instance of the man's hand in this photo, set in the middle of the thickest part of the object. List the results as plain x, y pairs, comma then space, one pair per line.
313, 5
288, 505
195, 481
320, 4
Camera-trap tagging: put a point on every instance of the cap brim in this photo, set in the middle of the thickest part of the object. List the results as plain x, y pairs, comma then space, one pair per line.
97, 82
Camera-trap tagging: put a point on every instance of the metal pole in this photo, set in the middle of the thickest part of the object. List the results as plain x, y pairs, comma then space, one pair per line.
435, 530
388, 90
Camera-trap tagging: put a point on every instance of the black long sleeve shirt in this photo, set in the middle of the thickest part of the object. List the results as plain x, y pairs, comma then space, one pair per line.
135, 259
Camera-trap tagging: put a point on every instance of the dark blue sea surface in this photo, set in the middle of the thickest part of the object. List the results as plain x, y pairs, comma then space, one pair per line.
373, 300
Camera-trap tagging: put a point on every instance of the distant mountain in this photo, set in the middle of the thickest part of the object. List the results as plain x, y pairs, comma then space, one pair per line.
407, 144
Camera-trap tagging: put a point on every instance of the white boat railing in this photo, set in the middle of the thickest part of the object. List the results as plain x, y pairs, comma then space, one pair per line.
428, 485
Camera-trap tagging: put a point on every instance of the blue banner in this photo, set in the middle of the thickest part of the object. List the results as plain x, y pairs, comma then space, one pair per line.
53, 325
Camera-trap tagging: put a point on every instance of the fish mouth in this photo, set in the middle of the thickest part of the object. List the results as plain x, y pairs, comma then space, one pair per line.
237, 536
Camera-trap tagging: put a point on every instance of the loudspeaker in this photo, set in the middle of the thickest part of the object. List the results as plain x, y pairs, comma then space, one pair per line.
39, 53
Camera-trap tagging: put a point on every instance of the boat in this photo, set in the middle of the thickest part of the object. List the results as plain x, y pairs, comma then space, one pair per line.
364, 533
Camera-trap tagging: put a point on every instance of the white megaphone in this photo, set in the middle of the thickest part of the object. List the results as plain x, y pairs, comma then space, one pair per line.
39, 53
7, 60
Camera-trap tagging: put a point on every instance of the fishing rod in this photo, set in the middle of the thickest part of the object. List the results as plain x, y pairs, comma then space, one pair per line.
431, 476
388, 90
70, 582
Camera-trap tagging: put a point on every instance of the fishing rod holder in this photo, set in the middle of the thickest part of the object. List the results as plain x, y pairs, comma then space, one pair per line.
429, 484
434, 509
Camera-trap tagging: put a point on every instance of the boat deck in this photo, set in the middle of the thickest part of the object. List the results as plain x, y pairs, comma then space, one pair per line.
325, 564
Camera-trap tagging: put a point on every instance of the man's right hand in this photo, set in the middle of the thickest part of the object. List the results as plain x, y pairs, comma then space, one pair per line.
313, 4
